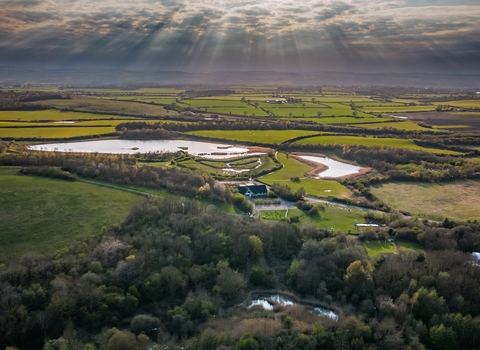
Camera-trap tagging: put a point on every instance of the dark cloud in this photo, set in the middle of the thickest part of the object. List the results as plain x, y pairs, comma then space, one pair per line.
358, 35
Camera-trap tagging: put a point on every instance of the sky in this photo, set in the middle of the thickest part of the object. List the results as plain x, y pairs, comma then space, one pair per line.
432, 36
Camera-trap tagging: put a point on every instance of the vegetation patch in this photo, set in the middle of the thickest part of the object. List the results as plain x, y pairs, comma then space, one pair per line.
260, 136
376, 249
457, 200
293, 168
273, 214
45, 215
338, 218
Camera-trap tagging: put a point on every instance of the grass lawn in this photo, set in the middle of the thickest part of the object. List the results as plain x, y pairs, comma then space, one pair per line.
51, 115
375, 249
410, 246
45, 215
109, 106
457, 200
272, 214
404, 125
54, 133
313, 187
260, 136
339, 218
372, 142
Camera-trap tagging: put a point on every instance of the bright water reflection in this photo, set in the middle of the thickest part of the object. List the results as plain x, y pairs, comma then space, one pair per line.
196, 148
335, 168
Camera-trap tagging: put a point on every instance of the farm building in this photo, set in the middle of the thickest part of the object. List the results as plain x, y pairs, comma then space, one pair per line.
253, 190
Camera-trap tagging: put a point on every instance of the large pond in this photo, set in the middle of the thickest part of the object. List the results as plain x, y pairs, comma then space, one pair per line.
335, 168
196, 148
267, 303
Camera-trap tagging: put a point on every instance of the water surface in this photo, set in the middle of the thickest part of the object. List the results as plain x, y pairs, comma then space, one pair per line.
335, 168
196, 148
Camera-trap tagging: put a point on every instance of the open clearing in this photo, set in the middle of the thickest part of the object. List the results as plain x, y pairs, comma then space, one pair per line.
51, 115
45, 215
376, 249
457, 200
340, 219
260, 136
109, 106
372, 142
401, 125
313, 187
54, 133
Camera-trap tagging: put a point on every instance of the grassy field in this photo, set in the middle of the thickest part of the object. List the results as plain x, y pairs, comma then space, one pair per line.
272, 214
403, 125
45, 215
346, 120
410, 246
457, 200
376, 249
109, 106
51, 115
464, 103
339, 219
96, 123
372, 142
260, 136
54, 133
313, 187
398, 109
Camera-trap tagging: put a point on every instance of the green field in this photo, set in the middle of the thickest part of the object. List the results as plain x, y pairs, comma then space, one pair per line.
54, 133
410, 246
464, 103
371, 142
51, 115
313, 187
398, 109
346, 120
402, 125
338, 218
45, 215
109, 106
376, 249
273, 214
260, 136
457, 200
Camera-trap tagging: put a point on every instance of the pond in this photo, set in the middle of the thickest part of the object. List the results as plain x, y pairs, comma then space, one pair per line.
335, 168
195, 148
267, 303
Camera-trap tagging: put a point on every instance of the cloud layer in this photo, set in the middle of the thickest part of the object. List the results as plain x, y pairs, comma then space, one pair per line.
280, 35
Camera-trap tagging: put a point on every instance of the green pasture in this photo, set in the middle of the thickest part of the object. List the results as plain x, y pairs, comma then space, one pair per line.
96, 123
400, 125
371, 142
346, 120
45, 215
260, 136
109, 106
464, 103
376, 249
338, 218
165, 100
313, 187
398, 109
409, 246
51, 115
457, 200
273, 214
54, 133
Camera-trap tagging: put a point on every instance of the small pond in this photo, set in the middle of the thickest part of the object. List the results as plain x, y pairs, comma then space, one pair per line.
335, 168
196, 148
267, 303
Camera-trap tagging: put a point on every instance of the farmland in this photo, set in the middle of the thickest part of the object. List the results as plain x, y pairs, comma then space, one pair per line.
456, 200
315, 187
376, 249
54, 132
46, 215
371, 142
259, 136
338, 218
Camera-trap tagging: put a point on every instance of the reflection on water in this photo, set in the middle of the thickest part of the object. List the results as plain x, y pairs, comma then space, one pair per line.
335, 168
267, 303
196, 148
